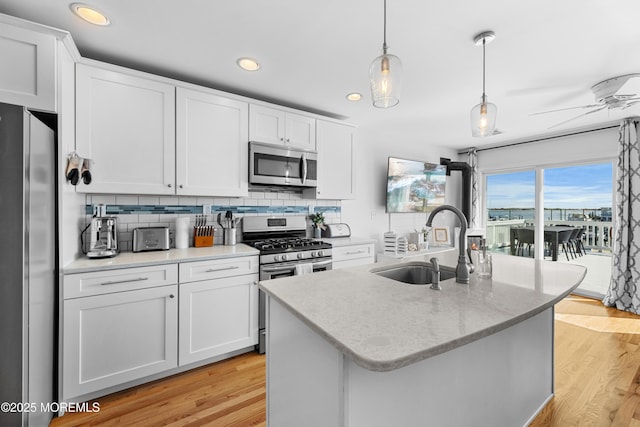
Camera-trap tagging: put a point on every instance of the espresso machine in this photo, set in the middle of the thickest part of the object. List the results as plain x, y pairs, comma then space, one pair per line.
104, 234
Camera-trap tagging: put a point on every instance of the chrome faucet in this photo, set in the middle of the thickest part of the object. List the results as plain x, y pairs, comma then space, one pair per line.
435, 274
463, 270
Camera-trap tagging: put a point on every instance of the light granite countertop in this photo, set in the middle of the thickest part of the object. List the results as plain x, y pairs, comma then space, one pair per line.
142, 259
382, 324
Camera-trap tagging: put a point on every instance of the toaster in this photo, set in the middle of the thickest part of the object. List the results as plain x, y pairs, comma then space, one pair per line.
336, 230
150, 239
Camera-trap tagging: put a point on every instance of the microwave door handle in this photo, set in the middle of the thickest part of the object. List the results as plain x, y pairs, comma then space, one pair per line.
303, 165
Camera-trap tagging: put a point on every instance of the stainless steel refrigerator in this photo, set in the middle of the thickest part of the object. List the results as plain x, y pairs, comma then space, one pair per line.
28, 267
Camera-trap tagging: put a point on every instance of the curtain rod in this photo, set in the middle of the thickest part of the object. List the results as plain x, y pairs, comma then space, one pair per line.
465, 151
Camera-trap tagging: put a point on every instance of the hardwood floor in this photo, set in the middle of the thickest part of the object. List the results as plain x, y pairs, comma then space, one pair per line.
228, 393
597, 380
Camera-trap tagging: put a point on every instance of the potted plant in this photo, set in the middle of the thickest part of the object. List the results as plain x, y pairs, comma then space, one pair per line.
318, 224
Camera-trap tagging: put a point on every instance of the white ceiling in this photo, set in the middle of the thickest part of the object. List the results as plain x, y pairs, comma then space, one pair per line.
546, 55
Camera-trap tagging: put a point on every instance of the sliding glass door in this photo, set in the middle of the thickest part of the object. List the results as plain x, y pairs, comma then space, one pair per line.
575, 203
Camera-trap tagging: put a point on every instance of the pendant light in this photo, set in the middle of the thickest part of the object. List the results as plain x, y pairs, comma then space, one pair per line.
483, 115
384, 73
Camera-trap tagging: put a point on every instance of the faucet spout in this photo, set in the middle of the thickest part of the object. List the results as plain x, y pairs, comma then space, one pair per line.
463, 270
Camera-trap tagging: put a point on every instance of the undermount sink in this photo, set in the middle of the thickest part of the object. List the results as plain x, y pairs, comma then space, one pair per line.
414, 273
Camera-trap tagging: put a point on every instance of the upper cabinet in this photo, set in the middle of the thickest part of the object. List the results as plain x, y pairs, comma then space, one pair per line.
275, 126
28, 75
126, 124
211, 145
336, 161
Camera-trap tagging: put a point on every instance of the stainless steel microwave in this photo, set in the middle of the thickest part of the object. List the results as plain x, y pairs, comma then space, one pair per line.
282, 165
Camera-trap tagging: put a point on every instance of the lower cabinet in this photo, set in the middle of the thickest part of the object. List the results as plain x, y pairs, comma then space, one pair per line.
217, 316
352, 255
123, 325
118, 337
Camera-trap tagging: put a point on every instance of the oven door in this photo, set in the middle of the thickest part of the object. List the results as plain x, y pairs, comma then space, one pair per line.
282, 165
274, 271
286, 269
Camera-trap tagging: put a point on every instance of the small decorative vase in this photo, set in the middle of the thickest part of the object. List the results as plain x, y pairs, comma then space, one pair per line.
317, 233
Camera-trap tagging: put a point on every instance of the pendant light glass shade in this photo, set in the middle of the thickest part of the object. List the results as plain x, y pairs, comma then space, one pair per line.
483, 115
385, 72
483, 118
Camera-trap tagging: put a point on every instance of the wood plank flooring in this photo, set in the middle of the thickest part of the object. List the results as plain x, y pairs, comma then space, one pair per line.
597, 382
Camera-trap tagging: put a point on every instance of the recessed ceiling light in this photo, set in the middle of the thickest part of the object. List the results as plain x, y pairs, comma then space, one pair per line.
354, 96
248, 64
90, 14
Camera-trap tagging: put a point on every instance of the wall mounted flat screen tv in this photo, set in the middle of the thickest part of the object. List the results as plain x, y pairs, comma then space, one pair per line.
414, 186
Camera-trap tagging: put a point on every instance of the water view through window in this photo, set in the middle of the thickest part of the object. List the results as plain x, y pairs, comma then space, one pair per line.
575, 198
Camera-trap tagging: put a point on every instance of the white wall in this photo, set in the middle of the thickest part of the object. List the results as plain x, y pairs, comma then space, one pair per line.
366, 214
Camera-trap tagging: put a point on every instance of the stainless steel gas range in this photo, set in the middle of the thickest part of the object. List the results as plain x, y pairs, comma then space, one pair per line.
284, 251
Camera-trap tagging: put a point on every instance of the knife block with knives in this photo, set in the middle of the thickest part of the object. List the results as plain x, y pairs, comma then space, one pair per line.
202, 233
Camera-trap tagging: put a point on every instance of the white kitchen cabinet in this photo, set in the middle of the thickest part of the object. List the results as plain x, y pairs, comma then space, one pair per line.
114, 338
28, 76
275, 126
211, 145
336, 161
218, 315
126, 124
352, 255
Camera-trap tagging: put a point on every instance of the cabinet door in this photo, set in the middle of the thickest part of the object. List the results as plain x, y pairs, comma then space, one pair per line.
336, 161
126, 124
28, 76
266, 125
115, 338
217, 316
211, 145
300, 131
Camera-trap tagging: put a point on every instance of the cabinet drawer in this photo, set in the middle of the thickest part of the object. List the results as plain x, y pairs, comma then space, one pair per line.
215, 269
345, 253
126, 279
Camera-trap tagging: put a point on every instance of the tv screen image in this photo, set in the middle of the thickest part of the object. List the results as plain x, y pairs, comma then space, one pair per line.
414, 186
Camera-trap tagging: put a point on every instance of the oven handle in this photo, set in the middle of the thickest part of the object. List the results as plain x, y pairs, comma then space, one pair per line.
292, 266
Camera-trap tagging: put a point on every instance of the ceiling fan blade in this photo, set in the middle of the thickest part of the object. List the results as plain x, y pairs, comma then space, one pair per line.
578, 116
636, 100
565, 109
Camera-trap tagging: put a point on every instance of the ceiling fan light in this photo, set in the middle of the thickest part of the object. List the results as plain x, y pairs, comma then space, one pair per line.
385, 77
483, 119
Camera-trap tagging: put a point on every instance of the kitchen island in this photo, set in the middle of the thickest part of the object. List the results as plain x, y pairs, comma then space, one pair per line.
352, 348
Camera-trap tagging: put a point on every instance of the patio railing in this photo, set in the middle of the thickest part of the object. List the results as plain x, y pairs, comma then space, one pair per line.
598, 235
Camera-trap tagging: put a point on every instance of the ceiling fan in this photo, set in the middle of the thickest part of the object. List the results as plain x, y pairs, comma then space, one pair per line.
606, 96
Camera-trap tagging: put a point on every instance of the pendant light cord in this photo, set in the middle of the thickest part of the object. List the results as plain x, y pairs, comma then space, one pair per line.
484, 43
384, 38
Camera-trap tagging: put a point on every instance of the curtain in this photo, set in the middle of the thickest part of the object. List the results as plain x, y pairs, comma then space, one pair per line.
474, 221
623, 290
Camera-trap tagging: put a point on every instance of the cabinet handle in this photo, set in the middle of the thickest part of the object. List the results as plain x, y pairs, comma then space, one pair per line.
282, 139
114, 282
288, 140
355, 253
169, 185
213, 270
255, 283
172, 296
181, 186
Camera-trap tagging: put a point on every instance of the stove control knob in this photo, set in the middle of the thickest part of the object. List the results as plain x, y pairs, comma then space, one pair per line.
320, 253
300, 255
276, 258
314, 254
283, 257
